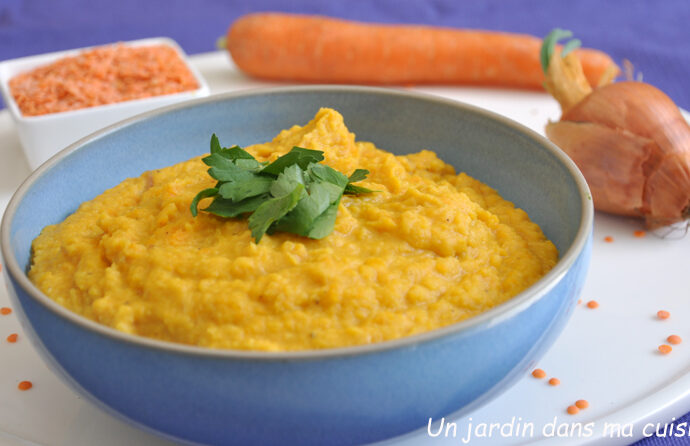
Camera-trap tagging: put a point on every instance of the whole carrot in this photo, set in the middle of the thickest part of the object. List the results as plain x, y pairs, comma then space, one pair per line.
321, 49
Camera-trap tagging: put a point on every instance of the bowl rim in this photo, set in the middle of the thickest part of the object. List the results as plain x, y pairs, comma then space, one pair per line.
490, 317
39, 60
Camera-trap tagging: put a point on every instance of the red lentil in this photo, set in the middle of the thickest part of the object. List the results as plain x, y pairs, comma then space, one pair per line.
99, 76
592, 304
639, 234
608, 239
538, 373
5, 311
554, 381
582, 404
25, 385
12, 338
674, 339
665, 349
663, 314
572, 410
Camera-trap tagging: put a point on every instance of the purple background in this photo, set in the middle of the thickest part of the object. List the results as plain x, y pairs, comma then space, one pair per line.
654, 35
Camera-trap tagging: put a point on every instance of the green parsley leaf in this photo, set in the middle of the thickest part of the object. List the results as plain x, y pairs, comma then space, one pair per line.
206, 193
233, 153
249, 164
351, 189
233, 173
292, 194
227, 208
270, 211
250, 187
301, 219
328, 174
325, 223
236, 153
298, 155
215, 144
334, 191
358, 175
287, 180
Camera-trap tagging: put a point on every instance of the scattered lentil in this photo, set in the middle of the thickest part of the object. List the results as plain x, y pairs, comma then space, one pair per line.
554, 381
12, 338
582, 404
665, 349
5, 311
674, 339
539, 373
608, 239
639, 234
663, 314
592, 304
572, 410
25, 385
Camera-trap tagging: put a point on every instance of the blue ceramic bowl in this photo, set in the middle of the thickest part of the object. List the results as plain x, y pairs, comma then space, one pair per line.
339, 396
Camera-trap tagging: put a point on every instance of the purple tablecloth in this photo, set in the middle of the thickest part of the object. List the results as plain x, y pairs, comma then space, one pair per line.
654, 35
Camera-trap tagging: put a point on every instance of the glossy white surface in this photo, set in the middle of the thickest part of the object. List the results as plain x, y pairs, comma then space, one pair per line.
43, 136
607, 356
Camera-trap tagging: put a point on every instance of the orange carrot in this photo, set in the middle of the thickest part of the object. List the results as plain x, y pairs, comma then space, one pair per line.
322, 49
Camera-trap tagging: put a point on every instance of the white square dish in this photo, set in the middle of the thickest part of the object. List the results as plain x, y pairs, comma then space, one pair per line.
43, 136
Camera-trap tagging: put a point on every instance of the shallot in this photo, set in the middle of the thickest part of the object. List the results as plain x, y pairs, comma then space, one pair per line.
628, 138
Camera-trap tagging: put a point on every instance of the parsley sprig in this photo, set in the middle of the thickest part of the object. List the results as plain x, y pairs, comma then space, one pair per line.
294, 193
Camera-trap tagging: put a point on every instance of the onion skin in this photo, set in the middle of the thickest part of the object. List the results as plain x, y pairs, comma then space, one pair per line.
633, 147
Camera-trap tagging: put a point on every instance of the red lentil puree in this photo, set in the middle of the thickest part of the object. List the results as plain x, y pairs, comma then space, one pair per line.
103, 75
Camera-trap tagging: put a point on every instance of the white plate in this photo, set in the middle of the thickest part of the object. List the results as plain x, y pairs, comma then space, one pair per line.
607, 356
